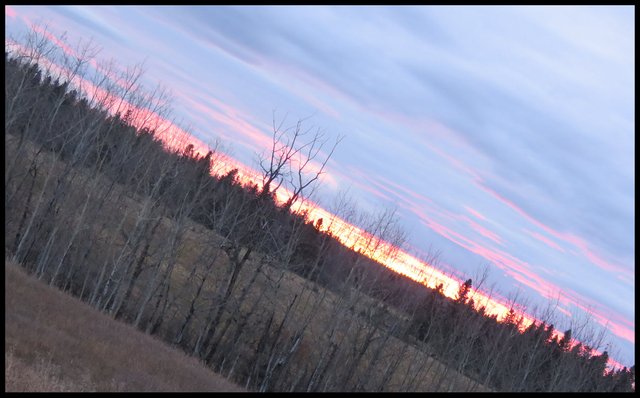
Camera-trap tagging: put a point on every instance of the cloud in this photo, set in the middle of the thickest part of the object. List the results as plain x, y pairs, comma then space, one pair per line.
475, 213
232, 118
484, 231
544, 239
93, 20
564, 236
10, 12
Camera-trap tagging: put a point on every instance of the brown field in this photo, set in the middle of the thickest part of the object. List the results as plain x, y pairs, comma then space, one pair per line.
54, 342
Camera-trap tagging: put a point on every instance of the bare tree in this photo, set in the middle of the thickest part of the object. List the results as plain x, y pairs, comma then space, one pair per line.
292, 159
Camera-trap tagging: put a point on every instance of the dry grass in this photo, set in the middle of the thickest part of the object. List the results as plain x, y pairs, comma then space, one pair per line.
54, 342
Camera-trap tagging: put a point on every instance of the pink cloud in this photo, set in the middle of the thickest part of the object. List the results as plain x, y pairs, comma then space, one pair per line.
316, 82
435, 131
564, 311
615, 322
424, 201
516, 268
544, 239
391, 187
236, 121
456, 163
626, 330
10, 12
369, 183
229, 117
475, 213
483, 231
567, 237
368, 187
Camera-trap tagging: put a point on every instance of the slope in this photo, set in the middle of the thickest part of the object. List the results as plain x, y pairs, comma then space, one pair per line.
54, 342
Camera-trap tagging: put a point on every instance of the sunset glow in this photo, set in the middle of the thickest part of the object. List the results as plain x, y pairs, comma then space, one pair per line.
348, 234
459, 149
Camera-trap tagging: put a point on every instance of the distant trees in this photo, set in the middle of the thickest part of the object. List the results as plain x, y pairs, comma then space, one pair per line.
102, 204
463, 292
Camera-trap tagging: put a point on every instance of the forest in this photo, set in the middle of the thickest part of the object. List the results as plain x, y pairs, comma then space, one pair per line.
106, 211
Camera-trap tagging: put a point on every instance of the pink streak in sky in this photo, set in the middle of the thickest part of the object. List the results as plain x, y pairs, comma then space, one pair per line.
476, 213
567, 313
236, 121
518, 269
483, 231
475, 226
385, 185
10, 12
365, 186
615, 322
456, 163
544, 239
567, 237
259, 140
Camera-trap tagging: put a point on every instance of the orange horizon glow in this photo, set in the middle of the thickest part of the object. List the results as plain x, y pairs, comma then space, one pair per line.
383, 252
175, 139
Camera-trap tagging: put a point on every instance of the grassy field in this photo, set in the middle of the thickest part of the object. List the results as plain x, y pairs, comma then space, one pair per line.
54, 342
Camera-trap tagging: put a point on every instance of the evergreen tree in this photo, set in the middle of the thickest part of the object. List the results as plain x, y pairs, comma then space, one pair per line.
463, 292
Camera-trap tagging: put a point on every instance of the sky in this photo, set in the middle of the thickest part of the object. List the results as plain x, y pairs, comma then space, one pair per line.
503, 136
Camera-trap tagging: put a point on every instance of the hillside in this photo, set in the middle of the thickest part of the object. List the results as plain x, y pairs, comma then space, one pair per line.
54, 342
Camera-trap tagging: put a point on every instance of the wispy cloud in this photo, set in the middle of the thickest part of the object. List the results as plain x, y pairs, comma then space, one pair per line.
10, 12
544, 239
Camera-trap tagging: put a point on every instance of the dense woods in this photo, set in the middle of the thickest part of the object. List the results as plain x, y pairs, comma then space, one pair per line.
107, 212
